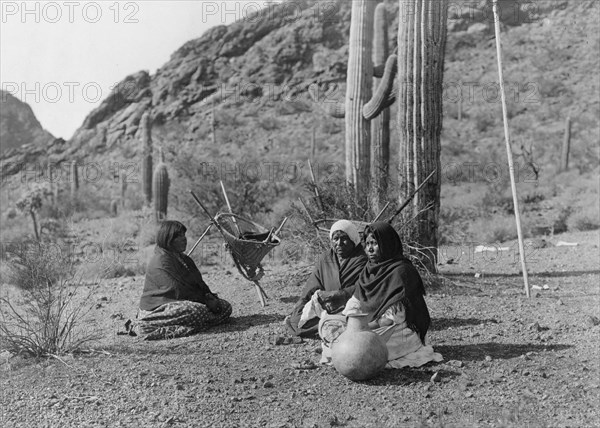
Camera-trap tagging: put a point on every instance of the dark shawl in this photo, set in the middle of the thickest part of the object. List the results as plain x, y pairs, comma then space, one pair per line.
393, 279
328, 275
171, 277
331, 275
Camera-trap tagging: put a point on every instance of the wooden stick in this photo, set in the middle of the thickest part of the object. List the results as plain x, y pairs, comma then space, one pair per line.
310, 218
380, 213
280, 226
511, 168
261, 293
212, 219
312, 177
229, 208
412, 195
199, 239
269, 235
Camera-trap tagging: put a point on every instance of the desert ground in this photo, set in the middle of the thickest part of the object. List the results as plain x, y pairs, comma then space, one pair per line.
509, 361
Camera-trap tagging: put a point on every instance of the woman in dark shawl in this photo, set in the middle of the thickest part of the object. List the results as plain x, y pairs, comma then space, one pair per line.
176, 301
390, 291
332, 281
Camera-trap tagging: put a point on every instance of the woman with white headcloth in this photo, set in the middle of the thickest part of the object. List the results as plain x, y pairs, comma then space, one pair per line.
332, 281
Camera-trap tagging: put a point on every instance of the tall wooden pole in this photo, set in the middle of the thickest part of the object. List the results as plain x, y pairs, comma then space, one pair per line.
511, 168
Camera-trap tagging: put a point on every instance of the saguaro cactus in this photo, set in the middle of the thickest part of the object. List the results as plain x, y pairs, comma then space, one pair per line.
358, 93
160, 187
146, 137
380, 126
123, 178
566, 146
114, 207
74, 179
422, 27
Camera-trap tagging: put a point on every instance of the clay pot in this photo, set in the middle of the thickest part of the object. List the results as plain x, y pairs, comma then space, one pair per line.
359, 353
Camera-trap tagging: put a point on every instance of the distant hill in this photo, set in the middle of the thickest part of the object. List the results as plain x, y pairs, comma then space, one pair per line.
18, 125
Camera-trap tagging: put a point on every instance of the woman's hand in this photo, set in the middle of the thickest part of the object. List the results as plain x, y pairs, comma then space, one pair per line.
331, 301
212, 303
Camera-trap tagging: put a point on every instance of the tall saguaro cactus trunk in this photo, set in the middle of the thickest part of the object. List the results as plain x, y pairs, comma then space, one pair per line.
74, 180
380, 126
358, 93
160, 186
421, 51
146, 136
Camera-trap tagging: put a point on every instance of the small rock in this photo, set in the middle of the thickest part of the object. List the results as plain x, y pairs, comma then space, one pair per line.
591, 321
536, 327
436, 377
488, 358
468, 394
268, 384
456, 363
559, 302
333, 421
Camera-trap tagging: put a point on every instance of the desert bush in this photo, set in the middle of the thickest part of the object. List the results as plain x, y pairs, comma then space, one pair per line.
586, 218
496, 228
46, 313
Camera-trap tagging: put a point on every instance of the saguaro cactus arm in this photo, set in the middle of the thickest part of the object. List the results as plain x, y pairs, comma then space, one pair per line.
381, 97
336, 110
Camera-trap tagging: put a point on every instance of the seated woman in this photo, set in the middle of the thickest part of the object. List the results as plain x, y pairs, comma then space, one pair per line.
332, 280
390, 291
176, 301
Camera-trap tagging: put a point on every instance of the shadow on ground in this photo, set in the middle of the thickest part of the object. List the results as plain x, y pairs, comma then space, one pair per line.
478, 352
409, 375
444, 323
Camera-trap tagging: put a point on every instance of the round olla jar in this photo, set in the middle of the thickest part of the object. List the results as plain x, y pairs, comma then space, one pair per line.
359, 353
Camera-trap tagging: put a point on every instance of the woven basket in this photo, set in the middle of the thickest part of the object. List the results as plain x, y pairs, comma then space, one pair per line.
247, 242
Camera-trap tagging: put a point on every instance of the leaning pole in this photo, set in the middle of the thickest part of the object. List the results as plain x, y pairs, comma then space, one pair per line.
511, 168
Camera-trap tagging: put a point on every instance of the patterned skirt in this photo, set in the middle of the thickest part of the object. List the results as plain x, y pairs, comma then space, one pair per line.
179, 319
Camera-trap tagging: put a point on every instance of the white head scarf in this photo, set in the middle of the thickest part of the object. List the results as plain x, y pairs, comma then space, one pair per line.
348, 228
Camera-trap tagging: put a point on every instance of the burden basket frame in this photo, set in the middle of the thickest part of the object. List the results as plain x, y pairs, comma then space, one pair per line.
247, 253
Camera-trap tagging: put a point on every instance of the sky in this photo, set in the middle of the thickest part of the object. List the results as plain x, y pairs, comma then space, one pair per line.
63, 57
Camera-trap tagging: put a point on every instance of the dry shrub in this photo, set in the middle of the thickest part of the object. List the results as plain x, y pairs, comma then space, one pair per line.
586, 218
45, 312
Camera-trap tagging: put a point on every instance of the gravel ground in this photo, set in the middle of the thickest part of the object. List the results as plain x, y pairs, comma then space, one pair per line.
508, 360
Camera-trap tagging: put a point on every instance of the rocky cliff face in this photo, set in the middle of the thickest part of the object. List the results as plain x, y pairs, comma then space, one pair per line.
19, 126
240, 92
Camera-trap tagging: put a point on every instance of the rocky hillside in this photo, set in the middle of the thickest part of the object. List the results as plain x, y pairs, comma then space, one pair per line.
238, 96
19, 126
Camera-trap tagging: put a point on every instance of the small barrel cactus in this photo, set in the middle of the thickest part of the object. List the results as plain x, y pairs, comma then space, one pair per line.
160, 188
